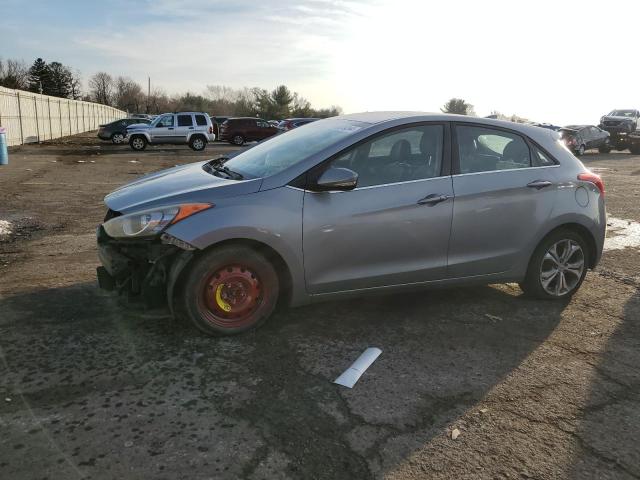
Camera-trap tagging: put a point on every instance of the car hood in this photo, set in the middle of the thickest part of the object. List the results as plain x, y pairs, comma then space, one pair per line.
619, 119
181, 184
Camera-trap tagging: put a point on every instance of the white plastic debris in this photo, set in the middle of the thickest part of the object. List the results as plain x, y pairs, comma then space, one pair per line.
455, 433
352, 374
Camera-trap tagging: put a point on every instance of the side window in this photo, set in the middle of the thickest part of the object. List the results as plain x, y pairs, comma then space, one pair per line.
201, 120
412, 153
165, 121
262, 124
482, 149
539, 159
185, 121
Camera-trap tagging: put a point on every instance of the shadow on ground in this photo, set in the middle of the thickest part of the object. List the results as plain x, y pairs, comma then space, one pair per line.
607, 431
97, 390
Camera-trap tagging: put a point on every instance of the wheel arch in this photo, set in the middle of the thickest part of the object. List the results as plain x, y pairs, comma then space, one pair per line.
181, 267
581, 230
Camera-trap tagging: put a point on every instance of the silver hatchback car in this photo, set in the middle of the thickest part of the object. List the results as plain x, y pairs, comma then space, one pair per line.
373, 202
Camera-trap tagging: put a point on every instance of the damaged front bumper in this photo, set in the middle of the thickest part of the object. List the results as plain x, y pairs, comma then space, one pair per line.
142, 268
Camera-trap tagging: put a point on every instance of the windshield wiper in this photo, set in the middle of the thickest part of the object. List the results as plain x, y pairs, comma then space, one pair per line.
217, 165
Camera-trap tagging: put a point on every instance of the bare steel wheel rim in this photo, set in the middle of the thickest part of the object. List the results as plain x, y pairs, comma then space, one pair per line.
198, 144
231, 296
562, 267
118, 138
237, 140
138, 143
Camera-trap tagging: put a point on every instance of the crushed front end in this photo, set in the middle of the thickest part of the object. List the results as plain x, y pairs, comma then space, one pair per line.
143, 268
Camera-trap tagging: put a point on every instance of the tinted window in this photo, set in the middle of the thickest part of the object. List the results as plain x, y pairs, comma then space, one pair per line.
403, 155
165, 121
201, 120
262, 124
540, 159
483, 149
185, 121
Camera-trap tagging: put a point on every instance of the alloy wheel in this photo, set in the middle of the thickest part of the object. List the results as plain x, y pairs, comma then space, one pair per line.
198, 144
117, 138
562, 267
137, 143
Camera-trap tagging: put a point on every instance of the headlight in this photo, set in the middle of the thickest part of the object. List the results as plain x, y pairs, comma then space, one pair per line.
150, 222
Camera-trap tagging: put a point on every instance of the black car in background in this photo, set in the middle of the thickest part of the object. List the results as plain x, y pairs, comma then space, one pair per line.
580, 138
117, 130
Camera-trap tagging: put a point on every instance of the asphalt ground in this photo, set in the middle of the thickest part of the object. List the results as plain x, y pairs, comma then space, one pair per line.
93, 388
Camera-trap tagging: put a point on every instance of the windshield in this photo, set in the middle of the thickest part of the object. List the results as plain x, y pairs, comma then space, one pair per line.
287, 149
622, 113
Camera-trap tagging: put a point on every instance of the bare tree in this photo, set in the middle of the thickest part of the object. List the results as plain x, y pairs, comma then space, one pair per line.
101, 88
128, 94
14, 74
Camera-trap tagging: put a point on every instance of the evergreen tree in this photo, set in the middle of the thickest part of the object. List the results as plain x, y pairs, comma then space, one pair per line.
59, 81
39, 76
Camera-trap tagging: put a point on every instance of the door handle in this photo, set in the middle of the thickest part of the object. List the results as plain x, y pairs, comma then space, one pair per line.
433, 199
538, 184
169, 128
190, 128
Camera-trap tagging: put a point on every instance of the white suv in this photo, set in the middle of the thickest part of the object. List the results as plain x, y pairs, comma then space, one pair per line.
192, 128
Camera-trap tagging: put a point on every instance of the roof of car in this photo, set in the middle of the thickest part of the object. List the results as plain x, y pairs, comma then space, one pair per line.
574, 127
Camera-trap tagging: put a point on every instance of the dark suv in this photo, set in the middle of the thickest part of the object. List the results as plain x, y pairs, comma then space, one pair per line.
116, 131
620, 121
246, 129
579, 138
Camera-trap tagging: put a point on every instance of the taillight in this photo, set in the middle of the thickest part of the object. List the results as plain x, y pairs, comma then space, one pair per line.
210, 129
592, 178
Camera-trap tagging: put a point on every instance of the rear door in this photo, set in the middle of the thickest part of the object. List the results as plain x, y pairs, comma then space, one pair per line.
504, 194
393, 228
183, 128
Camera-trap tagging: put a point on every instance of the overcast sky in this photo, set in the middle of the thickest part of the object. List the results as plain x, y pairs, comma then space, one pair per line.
555, 61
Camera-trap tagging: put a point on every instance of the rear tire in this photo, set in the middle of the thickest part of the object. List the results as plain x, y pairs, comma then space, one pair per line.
229, 290
604, 149
117, 138
237, 140
558, 266
197, 143
138, 142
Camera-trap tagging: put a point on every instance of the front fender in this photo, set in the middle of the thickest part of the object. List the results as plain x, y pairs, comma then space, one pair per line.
271, 217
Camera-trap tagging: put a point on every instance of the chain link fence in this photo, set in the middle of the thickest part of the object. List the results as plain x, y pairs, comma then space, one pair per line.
30, 117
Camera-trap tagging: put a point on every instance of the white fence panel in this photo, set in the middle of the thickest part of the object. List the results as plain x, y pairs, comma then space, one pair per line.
30, 117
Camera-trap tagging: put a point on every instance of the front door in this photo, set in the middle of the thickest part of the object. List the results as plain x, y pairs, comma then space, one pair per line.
163, 131
393, 228
504, 193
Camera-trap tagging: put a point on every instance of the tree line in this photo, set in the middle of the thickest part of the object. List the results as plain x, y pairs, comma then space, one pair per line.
58, 80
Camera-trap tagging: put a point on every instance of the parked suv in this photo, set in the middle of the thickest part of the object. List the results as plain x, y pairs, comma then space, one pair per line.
192, 128
579, 138
117, 131
246, 129
365, 203
620, 121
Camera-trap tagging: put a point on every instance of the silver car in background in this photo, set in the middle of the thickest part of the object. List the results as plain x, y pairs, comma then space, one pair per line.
190, 128
366, 203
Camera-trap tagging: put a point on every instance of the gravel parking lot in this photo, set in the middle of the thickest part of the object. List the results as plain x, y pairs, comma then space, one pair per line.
93, 388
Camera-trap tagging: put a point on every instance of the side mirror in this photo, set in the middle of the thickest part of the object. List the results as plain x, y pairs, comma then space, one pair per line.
334, 178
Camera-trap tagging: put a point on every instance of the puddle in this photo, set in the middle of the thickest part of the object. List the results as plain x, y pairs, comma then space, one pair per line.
622, 234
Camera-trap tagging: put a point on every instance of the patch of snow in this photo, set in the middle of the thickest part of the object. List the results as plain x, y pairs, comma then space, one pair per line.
5, 228
621, 234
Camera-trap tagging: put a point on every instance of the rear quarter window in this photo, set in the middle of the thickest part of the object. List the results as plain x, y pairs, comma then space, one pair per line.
201, 120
